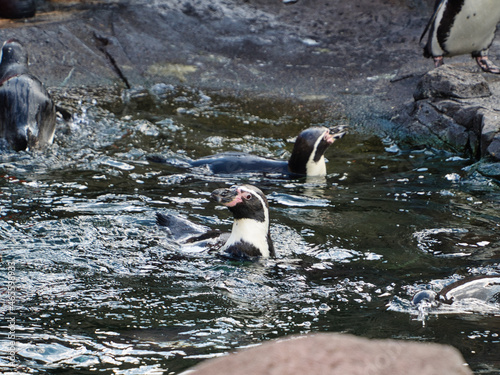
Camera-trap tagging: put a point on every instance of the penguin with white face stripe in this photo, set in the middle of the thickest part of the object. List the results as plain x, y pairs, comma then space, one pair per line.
307, 157
249, 238
460, 27
250, 235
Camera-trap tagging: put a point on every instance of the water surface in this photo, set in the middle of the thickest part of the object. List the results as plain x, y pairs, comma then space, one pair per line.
100, 287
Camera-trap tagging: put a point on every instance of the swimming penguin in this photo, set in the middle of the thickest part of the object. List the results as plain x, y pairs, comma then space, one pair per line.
307, 157
485, 288
459, 27
249, 238
27, 113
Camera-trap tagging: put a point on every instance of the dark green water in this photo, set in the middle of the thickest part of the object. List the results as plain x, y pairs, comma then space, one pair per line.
99, 288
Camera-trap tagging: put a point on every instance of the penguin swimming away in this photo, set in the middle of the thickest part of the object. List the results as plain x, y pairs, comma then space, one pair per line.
307, 157
249, 238
459, 27
485, 288
27, 113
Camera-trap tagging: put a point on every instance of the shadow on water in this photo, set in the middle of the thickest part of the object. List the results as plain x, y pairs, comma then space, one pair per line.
99, 287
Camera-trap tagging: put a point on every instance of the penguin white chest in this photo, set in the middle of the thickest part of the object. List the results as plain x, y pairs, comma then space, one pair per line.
316, 168
473, 28
252, 232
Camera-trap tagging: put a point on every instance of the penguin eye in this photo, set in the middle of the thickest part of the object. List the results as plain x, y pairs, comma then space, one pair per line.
247, 196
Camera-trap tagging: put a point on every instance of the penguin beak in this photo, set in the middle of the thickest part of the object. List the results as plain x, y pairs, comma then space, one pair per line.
335, 133
229, 197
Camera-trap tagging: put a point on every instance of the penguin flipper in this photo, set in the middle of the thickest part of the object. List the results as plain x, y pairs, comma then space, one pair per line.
162, 220
180, 228
46, 121
437, 6
205, 236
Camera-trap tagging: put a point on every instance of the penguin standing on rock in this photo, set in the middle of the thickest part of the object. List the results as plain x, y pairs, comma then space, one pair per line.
460, 27
27, 113
249, 238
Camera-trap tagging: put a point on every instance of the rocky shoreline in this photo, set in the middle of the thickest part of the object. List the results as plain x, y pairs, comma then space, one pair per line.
456, 109
359, 57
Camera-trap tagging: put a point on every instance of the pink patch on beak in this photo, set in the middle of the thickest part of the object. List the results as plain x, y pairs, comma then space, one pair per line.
235, 201
328, 137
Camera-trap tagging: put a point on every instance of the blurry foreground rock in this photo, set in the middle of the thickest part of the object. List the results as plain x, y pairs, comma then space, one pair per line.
457, 110
340, 354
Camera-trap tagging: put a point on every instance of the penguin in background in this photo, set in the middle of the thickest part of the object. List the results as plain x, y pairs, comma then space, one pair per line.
460, 27
307, 157
15, 9
27, 113
485, 288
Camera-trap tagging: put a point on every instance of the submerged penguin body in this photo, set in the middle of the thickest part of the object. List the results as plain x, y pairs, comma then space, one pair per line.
485, 288
307, 157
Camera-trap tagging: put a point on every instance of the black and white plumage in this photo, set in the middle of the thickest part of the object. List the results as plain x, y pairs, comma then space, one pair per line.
485, 288
307, 157
249, 238
27, 113
460, 27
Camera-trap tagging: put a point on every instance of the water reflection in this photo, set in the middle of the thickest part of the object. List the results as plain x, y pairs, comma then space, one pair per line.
100, 287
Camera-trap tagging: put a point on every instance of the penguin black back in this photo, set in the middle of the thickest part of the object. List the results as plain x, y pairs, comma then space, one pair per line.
307, 157
27, 113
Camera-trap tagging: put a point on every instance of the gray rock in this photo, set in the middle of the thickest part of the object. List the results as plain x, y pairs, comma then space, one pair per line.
449, 82
454, 110
489, 169
340, 354
431, 125
490, 134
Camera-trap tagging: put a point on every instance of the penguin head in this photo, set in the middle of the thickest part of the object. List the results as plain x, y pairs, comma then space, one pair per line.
309, 149
250, 237
244, 201
13, 59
